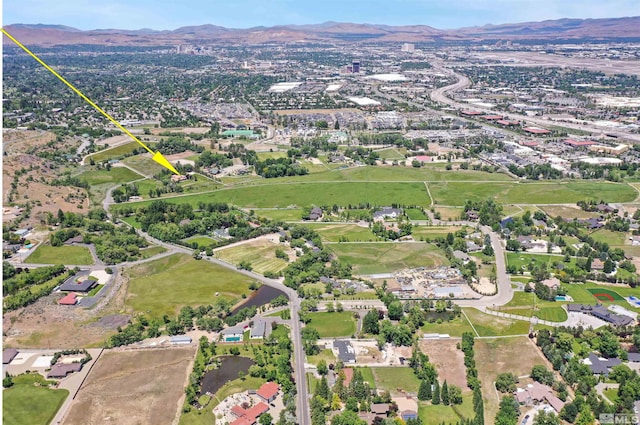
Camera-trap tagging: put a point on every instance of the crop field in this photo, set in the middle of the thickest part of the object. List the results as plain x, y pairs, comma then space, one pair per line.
150, 397
47, 254
159, 287
113, 176
456, 193
428, 173
370, 258
29, 403
343, 232
285, 195
517, 355
334, 324
260, 253
284, 214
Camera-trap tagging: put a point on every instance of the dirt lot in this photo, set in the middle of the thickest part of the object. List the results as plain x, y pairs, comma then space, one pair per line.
448, 360
517, 355
47, 324
133, 387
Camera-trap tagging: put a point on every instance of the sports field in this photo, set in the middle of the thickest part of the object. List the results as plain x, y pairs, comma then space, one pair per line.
370, 258
602, 294
164, 286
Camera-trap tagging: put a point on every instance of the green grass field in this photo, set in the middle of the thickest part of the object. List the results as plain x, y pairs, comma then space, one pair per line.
151, 251
370, 258
522, 304
602, 294
456, 193
116, 152
164, 286
612, 238
416, 214
521, 259
581, 293
293, 214
326, 355
394, 378
271, 155
259, 253
28, 404
335, 232
437, 414
489, 325
144, 164
433, 232
334, 324
113, 176
391, 154
367, 375
202, 241
454, 327
47, 254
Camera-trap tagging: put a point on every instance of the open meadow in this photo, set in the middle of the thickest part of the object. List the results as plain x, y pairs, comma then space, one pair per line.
260, 253
384, 257
133, 387
334, 324
47, 254
342, 232
166, 285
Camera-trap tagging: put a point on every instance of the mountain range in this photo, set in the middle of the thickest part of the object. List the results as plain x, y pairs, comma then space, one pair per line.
561, 29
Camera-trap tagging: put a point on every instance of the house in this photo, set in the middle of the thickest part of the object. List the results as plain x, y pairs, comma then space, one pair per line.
591, 223
70, 299
633, 357
62, 370
248, 416
221, 233
315, 214
460, 255
233, 334
346, 353
597, 264
380, 408
601, 313
268, 391
79, 283
473, 247
551, 283
180, 340
178, 178
472, 215
74, 240
604, 208
8, 354
504, 223
538, 392
258, 329
600, 365
387, 212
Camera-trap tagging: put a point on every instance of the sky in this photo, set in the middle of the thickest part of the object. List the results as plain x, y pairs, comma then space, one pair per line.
172, 14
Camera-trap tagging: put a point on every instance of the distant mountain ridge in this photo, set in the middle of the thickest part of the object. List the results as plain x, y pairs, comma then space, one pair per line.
604, 29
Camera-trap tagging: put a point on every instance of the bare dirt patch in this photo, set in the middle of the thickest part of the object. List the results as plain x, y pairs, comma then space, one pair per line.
500, 355
448, 360
133, 387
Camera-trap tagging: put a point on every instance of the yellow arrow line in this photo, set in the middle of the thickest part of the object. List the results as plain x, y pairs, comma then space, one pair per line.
79, 93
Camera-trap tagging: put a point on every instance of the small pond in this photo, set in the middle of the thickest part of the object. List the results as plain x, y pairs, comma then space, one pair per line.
262, 296
213, 380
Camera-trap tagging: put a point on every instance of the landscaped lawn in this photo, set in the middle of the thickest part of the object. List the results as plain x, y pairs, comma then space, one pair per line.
164, 286
260, 253
393, 379
47, 254
437, 414
522, 259
334, 324
202, 241
27, 404
433, 232
522, 304
340, 232
370, 258
416, 214
581, 294
367, 375
291, 214
390, 154
326, 355
611, 238
151, 251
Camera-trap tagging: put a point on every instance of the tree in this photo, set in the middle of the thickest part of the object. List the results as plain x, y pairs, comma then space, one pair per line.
336, 403
541, 374
455, 394
585, 417
395, 310
322, 367
7, 382
348, 417
322, 389
352, 404
508, 412
370, 322
445, 393
506, 382
424, 393
266, 419
609, 344
435, 399
544, 418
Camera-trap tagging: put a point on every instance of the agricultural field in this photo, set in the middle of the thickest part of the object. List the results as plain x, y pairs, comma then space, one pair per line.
334, 324
159, 287
371, 258
449, 213
30, 402
151, 397
517, 355
342, 232
47, 254
260, 253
